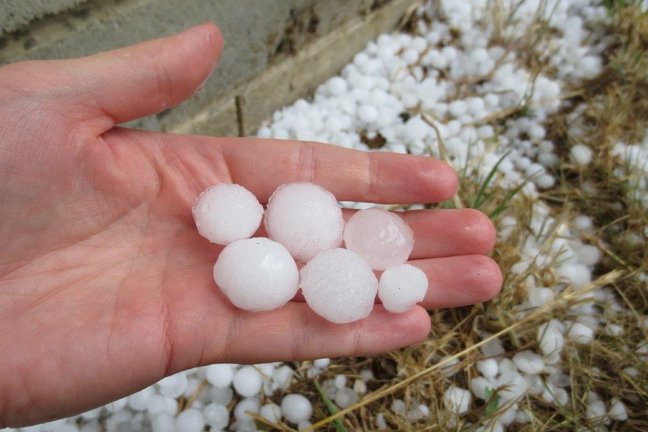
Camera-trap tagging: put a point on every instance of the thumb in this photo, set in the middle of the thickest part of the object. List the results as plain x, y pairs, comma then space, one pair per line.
135, 81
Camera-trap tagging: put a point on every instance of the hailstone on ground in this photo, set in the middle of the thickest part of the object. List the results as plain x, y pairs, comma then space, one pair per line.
227, 212
380, 237
256, 274
305, 218
401, 287
338, 285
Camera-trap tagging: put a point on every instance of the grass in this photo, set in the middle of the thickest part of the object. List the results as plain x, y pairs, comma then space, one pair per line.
615, 109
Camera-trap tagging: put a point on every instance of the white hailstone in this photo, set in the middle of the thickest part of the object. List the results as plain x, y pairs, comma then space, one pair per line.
173, 386
588, 254
219, 375
596, 411
163, 422
380, 237
247, 381
117, 405
529, 362
513, 386
190, 420
550, 337
451, 365
583, 223
337, 86
321, 363
305, 218
580, 333
581, 155
245, 406
457, 108
345, 397
479, 386
216, 416
303, 425
338, 285
401, 287
368, 113
158, 404
359, 386
296, 408
271, 412
575, 273
416, 129
492, 348
257, 274
617, 410
398, 407
67, 427
366, 375
613, 330
535, 385
91, 414
281, 377
488, 367
539, 296
91, 426
139, 401
555, 395
381, 424
457, 400
222, 396
227, 212
340, 381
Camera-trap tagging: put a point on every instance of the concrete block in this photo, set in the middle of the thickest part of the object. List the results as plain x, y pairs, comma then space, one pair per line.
15, 14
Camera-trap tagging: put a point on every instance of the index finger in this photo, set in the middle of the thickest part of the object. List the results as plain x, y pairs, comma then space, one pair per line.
261, 165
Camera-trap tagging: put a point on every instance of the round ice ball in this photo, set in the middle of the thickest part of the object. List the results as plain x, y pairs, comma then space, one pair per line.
380, 237
401, 287
247, 381
256, 274
338, 285
305, 218
227, 212
296, 408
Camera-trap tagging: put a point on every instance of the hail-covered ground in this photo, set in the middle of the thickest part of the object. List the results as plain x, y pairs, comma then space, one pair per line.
538, 105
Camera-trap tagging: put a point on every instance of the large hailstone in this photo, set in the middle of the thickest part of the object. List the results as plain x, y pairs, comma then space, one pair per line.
401, 287
338, 285
227, 212
256, 274
305, 218
380, 237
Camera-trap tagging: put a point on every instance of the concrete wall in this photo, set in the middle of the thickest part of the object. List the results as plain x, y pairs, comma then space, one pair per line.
275, 50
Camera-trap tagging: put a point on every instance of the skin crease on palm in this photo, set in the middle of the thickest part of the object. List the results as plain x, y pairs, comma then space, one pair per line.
106, 286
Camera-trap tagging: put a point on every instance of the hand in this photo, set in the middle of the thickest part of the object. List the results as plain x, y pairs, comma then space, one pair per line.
105, 284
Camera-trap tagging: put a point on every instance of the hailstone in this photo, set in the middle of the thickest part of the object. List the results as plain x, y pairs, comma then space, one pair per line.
305, 218
338, 285
227, 212
256, 274
380, 237
401, 287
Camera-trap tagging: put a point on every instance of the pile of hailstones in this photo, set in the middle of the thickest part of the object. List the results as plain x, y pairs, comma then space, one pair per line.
304, 222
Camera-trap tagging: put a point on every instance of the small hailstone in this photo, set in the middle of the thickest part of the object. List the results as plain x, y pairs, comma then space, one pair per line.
617, 410
271, 412
581, 155
368, 113
398, 407
359, 386
173, 386
256, 274
513, 386
158, 404
281, 377
529, 362
305, 218
457, 400
247, 381
340, 381
227, 212
219, 375
550, 337
380, 237
345, 397
401, 287
580, 333
338, 285
596, 411
381, 424
492, 348
163, 422
539, 296
416, 129
138, 401
612, 329
222, 396
296, 408
588, 254
488, 367
480, 386
216, 416
190, 420
321, 363
303, 425
244, 406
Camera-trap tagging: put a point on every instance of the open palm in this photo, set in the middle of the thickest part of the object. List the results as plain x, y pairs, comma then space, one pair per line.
105, 285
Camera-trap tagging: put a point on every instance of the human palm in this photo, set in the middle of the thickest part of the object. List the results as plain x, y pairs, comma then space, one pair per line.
105, 285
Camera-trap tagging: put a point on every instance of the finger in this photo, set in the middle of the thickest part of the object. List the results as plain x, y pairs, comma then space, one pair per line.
135, 81
295, 332
262, 165
459, 281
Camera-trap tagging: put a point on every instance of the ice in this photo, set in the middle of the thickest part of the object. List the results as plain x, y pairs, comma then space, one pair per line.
245, 406
271, 412
401, 287
457, 399
190, 420
247, 381
305, 218
256, 274
296, 408
227, 212
529, 362
216, 416
338, 285
219, 375
380, 237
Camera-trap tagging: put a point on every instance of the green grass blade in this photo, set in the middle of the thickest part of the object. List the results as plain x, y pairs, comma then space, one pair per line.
481, 197
332, 409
